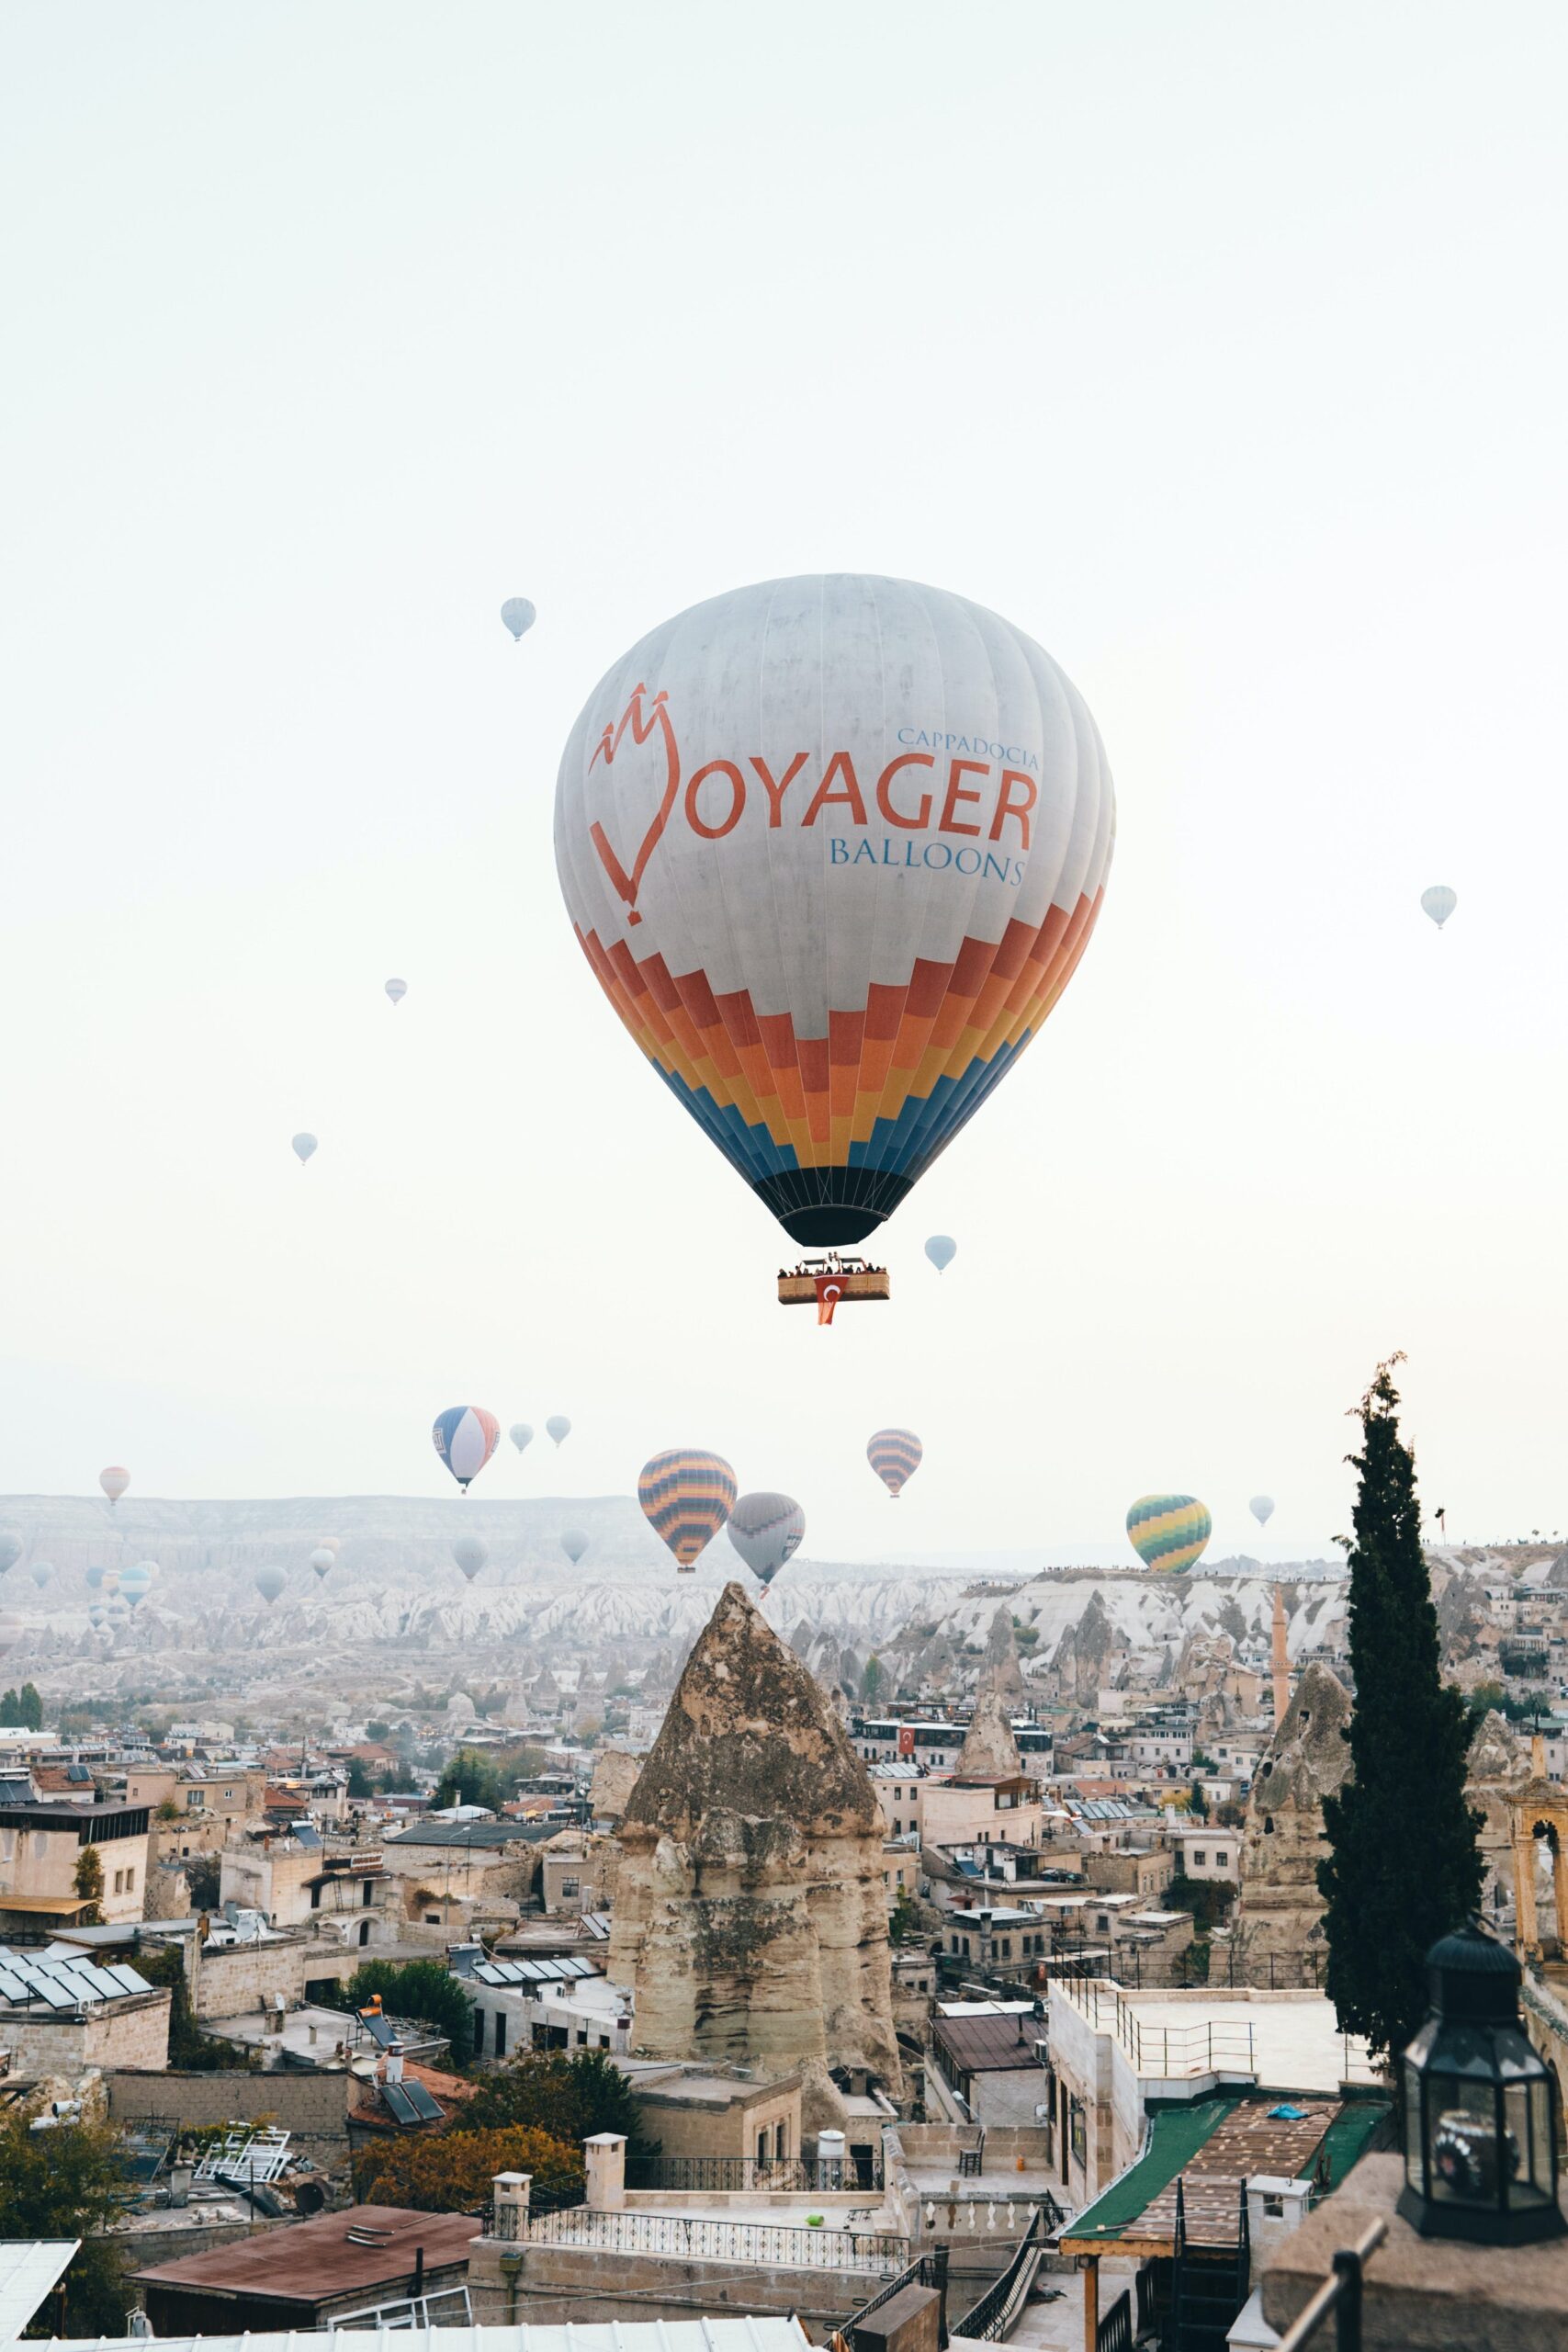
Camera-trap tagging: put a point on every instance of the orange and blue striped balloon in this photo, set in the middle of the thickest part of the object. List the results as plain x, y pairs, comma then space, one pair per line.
1169, 1532
895, 1455
686, 1495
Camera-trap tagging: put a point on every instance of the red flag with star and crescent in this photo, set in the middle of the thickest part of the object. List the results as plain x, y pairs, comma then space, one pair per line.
829, 1291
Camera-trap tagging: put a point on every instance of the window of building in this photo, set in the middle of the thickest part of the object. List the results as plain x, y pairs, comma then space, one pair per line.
570, 1887
364, 1931
1200, 1858
501, 2034
364, 1895
315, 1898
119, 1882
433, 1919
196, 1799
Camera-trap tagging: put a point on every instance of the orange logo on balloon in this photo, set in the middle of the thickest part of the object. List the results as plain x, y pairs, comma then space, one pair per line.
609, 743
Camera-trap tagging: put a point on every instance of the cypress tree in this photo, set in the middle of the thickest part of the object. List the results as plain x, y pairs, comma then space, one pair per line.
1405, 1868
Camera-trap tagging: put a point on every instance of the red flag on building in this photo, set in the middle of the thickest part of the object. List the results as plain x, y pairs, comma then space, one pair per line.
829, 1291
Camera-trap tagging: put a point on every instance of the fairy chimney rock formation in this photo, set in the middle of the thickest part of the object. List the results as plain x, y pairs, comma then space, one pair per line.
615, 1778
1280, 1909
750, 1915
988, 1744
1001, 1672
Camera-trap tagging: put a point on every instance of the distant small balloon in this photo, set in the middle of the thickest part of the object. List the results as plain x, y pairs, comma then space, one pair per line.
518, 614
895, 1455
397, 991
269, 1584
304, 1146
941, 1249
95, 1615
559, 1427
574, 1542
113, 1481
40, 1572
11, 1549
1439, 902
1262, 1508
322, 1560
333, 1544
95, 1578
136, 1583
471, 1555
522, 1435
110, 1583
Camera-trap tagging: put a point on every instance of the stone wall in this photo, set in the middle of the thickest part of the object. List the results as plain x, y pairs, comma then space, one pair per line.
312, 2106
233, 1980
132, 2033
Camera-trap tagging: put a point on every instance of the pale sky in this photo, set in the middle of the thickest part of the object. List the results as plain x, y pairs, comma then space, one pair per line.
1218, 347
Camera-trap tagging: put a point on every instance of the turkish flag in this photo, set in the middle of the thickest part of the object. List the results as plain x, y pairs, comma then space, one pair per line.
829, 1291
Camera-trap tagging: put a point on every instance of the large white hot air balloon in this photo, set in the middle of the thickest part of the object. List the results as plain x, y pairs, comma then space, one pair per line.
1438, 902
522, 1435
113, 1481
471, 1555
834, 847
303, 1146
559, 1427
518, 614
1262, 1508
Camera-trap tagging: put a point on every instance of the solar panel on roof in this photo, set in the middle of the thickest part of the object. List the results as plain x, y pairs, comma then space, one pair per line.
125, 1976
378, 2027
398, 2100
11, 1987
106, 1988
423, 2105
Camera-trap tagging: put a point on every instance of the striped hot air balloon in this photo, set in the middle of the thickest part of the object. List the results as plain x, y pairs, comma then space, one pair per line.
114, 1480
895, 1455
767, 1530
465, 1438
137, 1583
834, 847
1169, 1532
686, 1495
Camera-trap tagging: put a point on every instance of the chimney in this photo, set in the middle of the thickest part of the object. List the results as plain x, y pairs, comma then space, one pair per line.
830, 2160
395, 2062
509, 2195
605, 2157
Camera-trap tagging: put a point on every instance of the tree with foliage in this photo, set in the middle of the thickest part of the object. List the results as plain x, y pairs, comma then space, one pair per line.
22, 1709
1404, 1867
421, 1989
451, 2171
376, 1729
871, 1680
67, 2182
360, 1783
204, 1876
1484, 1698
571, 2096
468, 1779
903, 1920
88, 1882
1197, 1802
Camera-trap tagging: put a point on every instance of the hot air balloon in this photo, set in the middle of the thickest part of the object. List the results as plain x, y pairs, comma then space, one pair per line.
686, 1495
333, 1544
95, 1615
471, 1555
137, 1583
94, 1578
397, 991
11, 1631
766, 1529
1439, 902
522, 1435
118, 1614
11, 1549
113, 1481
941, 1249
559, 1427
108, 1583
574, 1542
304, 1146
895, 1455
1262, 1508
1169, 1532
518, 614
834, 847
40, 1572
269, 1584
323, 1560
465, 1438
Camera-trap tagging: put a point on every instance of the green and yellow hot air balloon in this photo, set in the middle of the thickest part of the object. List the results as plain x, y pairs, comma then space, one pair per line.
1169, 1532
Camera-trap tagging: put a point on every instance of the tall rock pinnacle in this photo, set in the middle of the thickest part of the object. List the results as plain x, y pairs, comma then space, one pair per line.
988, 1744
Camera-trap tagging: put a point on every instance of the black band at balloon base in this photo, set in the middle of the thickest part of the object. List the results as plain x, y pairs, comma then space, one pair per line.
831, 1208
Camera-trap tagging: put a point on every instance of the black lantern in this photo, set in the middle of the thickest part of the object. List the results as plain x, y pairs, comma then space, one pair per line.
1480, 2106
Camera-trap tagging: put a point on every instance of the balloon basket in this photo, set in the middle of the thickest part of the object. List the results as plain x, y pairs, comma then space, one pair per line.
827, 1283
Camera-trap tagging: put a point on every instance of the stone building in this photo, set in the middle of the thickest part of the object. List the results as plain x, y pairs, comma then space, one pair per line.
750, 1916
1280, 1911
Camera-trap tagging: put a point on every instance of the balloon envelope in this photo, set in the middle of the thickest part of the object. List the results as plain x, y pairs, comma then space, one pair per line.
113, 1481
323, 1561
686, 1495
471, 1555
137, 1583
574, 1544
766, 1529
1439, 902
465, 1438
95, 1615
333, 1544
1169, 1532
269, 1584
11, 1549
559, 1427
833, 846
941, 1249
518, 614
40, 1572
522, 1434
1262, 1508
895, 1455
397, 991
304, 1146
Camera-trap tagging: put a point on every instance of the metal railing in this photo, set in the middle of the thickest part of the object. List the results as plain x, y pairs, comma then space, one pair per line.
411, 2311
926, 2271
1172, 2052
992, 2317
706, 2238
1114, 2333
1340, 2294
750, 2175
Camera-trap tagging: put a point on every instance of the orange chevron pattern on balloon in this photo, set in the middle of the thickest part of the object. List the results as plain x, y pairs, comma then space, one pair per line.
834, 847
895, 1455
1169, 1532
686, 1495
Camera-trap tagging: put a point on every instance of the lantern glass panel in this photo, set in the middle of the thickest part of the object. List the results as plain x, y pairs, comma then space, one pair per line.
1461, 2131
1523, 2108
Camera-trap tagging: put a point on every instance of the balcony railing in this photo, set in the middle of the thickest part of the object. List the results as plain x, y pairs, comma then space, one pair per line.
990, 2319
707, 2238
1169, 2052
752, 2175
1339, 2297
